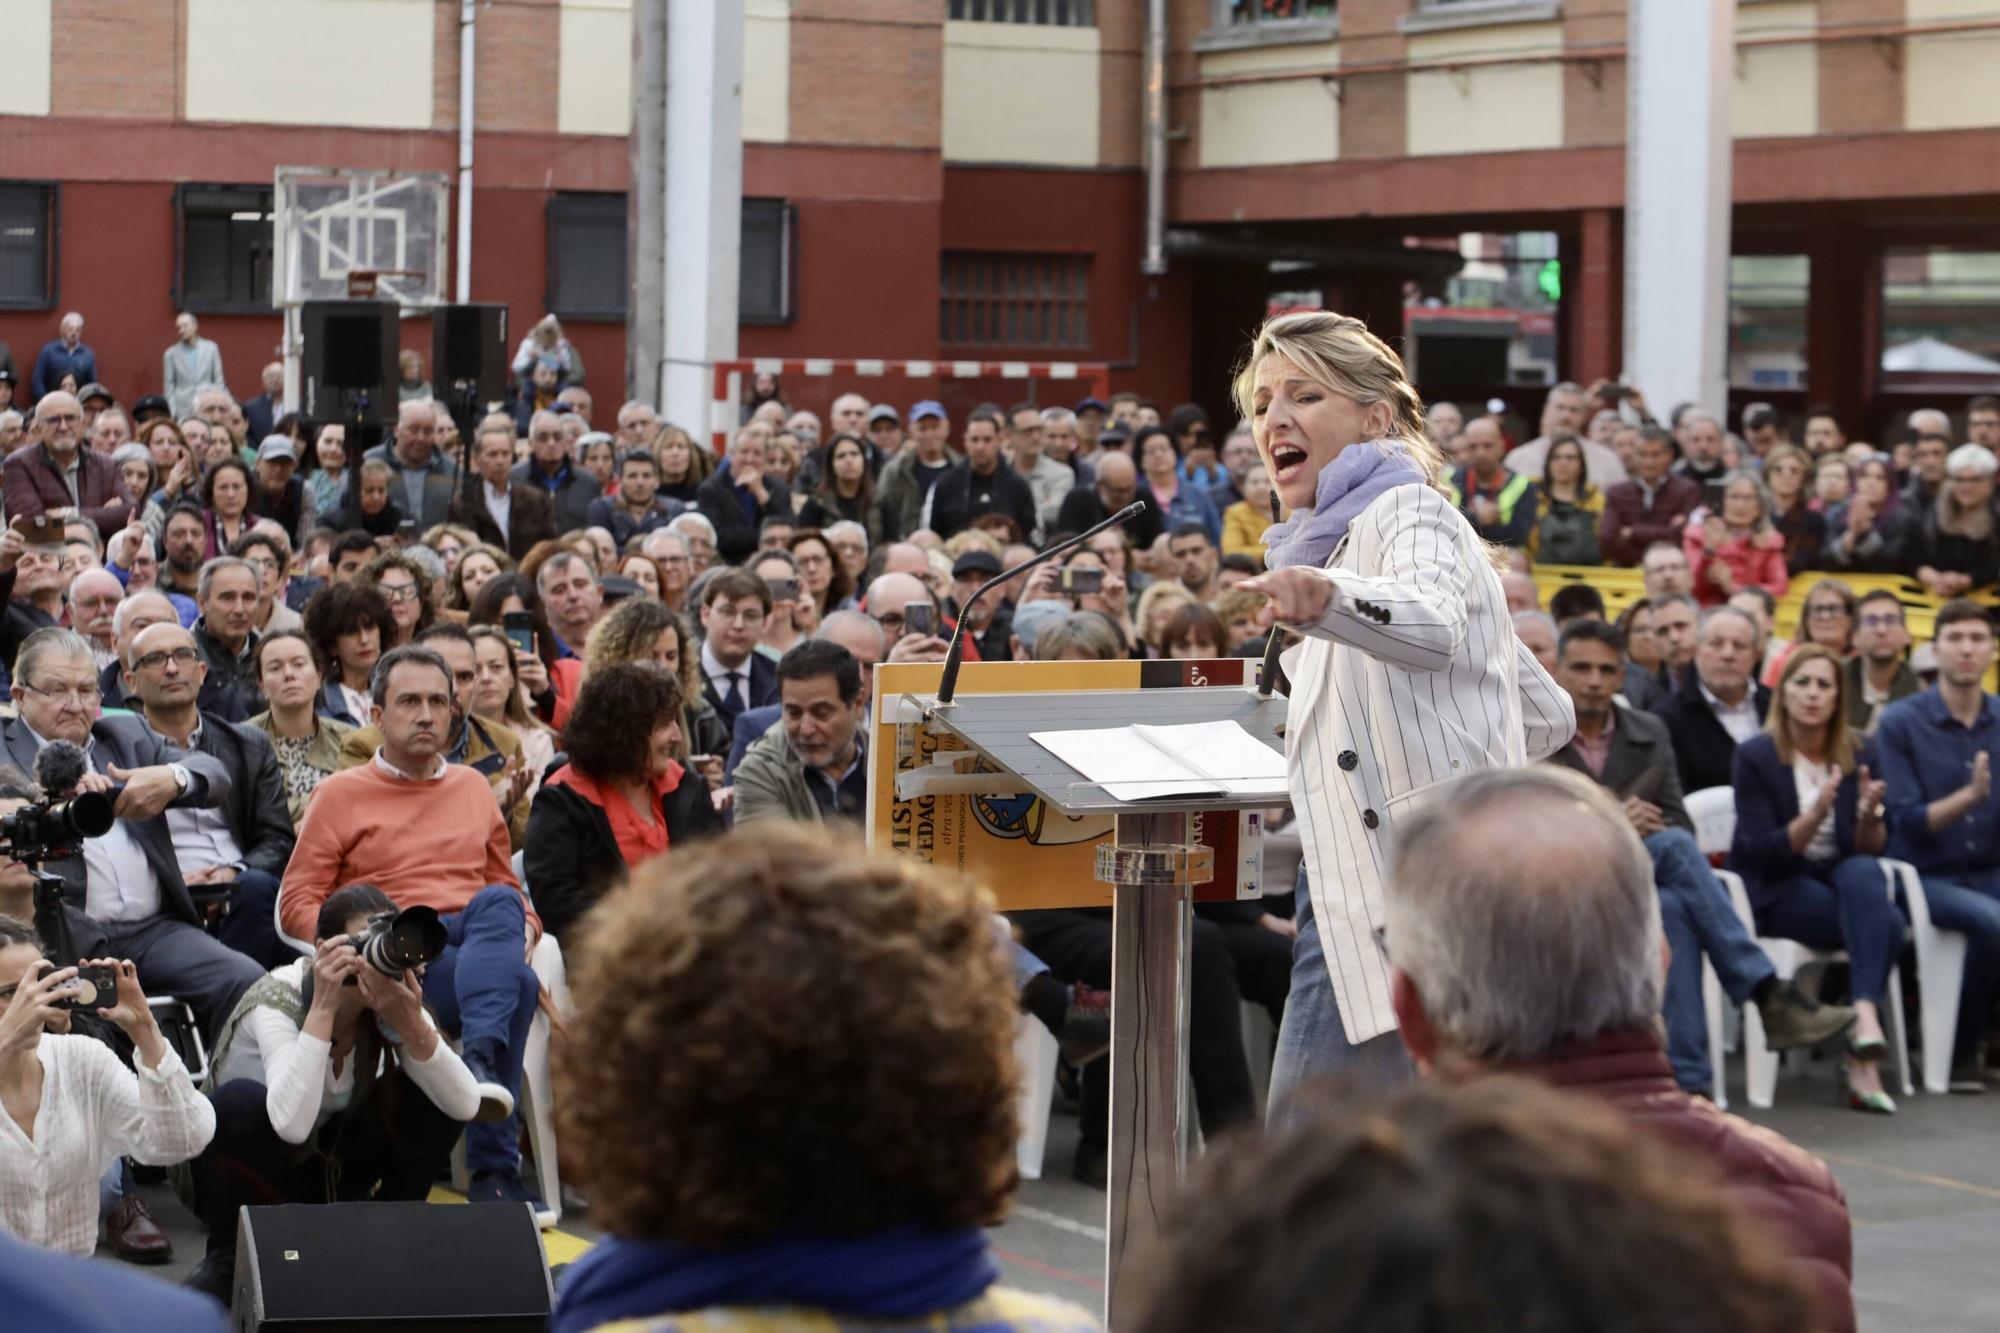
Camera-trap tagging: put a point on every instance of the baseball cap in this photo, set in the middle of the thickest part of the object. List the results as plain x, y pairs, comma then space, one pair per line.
1114, 435
1092, 405
975, 562
95, 390
617, 587
278, 446
6, 375
152, 404
930, 407
883, 412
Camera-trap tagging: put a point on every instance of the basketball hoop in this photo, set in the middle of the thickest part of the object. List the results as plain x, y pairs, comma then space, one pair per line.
361, 282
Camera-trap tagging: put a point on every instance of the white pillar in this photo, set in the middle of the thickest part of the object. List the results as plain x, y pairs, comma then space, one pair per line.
1680, 74
704, 204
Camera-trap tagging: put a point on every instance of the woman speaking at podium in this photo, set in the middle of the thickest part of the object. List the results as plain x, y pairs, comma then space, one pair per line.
1409, 674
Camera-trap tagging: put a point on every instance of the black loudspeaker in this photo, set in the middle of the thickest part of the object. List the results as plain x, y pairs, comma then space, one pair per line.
469, 353
349, 362
389, 1267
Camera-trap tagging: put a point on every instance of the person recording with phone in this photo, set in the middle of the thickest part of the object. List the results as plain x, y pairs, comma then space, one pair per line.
330, 1079
69, 1105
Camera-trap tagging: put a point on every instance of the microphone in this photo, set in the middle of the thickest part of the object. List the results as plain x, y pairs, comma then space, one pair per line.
956, 653
59, 767
1267, 670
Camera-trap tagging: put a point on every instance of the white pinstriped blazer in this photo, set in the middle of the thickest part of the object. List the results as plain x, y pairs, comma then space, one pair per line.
1412, 677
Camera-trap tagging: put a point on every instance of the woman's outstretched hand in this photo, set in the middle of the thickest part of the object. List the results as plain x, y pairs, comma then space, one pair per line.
1299, 596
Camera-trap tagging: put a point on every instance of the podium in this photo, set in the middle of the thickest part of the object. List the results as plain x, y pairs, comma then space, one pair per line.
1150, 854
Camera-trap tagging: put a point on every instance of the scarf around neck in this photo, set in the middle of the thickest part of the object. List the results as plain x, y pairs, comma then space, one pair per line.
1356, 477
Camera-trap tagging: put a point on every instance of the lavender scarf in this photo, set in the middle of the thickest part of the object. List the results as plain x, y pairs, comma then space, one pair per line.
1347, 485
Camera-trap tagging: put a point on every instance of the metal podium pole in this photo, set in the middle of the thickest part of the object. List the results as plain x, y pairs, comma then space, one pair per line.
1151, 866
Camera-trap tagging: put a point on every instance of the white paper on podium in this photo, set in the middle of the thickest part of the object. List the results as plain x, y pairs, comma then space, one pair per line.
1198, 759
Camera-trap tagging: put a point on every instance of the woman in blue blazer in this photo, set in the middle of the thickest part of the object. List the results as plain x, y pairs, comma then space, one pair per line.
1808, 829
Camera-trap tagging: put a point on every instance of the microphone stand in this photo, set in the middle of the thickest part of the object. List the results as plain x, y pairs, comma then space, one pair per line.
956, 653
1267, 670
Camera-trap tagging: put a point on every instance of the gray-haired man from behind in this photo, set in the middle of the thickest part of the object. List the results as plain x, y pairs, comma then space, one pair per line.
1523, 935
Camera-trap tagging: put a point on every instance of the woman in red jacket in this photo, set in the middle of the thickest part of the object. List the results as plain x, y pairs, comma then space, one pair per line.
1737, 548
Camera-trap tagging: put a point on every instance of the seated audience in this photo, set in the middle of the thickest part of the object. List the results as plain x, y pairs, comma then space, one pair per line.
349, 626
793, 1196
734, 606
1879, 672
330, 1083
1872, 530
739, 496
1523, 934
1737, 547
128, 881
405, 587
1792, 515
1938, 750
230, 857
622, 799
1565, 530
1492, 1206
1501, 505
1654, 506
1955, 546
358, 830
814, 767
72, 1101
1626, 752
499, 696
1245, 521
1718, 704
1809, 825
306, 744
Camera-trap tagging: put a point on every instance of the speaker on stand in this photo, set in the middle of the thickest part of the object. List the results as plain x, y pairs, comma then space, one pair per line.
469, 372
391, 1268
348, 372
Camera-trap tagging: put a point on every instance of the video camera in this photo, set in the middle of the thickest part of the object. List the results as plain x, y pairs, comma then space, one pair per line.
52, 830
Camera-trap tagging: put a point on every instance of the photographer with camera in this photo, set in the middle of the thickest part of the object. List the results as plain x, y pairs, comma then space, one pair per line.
69, 1105
428, 833
331, 1081
128, 880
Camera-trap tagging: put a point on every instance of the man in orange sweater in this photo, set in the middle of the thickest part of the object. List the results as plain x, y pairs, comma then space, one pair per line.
429, 833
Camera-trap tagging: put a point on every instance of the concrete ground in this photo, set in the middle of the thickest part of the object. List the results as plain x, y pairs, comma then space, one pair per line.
1923, 1188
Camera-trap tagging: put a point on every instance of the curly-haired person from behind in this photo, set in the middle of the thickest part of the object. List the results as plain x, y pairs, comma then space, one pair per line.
793, 1097
1495, 1206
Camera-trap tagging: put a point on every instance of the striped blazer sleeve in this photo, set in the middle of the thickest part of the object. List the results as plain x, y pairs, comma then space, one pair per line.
1548, 718
1412, 614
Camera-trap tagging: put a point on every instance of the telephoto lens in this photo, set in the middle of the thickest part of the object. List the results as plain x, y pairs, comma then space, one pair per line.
395, 942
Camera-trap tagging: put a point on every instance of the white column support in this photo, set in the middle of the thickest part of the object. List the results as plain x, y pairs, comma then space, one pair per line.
1680, 73
704, 204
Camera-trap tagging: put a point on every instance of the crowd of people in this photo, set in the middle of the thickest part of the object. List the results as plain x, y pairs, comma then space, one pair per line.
495, 669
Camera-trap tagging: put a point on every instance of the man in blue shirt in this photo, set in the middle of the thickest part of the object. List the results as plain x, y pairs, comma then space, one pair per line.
1938, 751
65, 355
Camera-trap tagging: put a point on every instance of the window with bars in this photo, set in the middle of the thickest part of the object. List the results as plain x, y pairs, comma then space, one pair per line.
226, 234
1051, 13
1014, 300
1252, 13
586, 275
27, 245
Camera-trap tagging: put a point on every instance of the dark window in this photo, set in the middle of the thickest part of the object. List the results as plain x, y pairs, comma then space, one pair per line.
587, 256
764, 271
226, 240
27, 252
1003, 300
1250, 13
1056, 13
587, 259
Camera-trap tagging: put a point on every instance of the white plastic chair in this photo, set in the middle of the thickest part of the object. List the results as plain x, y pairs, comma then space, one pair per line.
1035, 1051
1940, 974
1713, 811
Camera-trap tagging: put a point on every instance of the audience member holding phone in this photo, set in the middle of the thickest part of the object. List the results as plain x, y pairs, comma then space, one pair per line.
331, 1083
69, 1105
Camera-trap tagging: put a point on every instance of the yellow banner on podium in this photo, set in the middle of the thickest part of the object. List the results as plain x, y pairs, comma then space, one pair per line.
1028, 855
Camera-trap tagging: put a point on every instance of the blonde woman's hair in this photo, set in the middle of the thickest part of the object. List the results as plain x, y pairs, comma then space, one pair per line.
1839, 743
1764, 524
1340, 354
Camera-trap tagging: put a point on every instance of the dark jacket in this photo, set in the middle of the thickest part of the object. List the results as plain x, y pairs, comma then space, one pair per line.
218, 697
569, 492
287, 509
761, 689
1767, 799
1784, 1189
34, 486
1082, 509
1805, 537
56, 360
1861, 714
258, 815
129, 743
333, 704
1625, 507
1641, 764
735, 529
440, 483
234, 671
1925, 544
605, 512
1705, 751
963, 495
751, 724
17, 621
571, 857
260, 416
530, 516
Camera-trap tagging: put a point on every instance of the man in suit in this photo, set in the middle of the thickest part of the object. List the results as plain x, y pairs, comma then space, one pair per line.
240, 847
1628, 753
734, 606
425, 478
737, 497
129, 881
510, 516
191, 364
57, 472
1652, 507
263, 411
550, 469
1718, 704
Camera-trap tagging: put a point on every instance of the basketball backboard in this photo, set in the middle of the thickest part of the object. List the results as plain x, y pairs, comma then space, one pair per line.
334, 223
